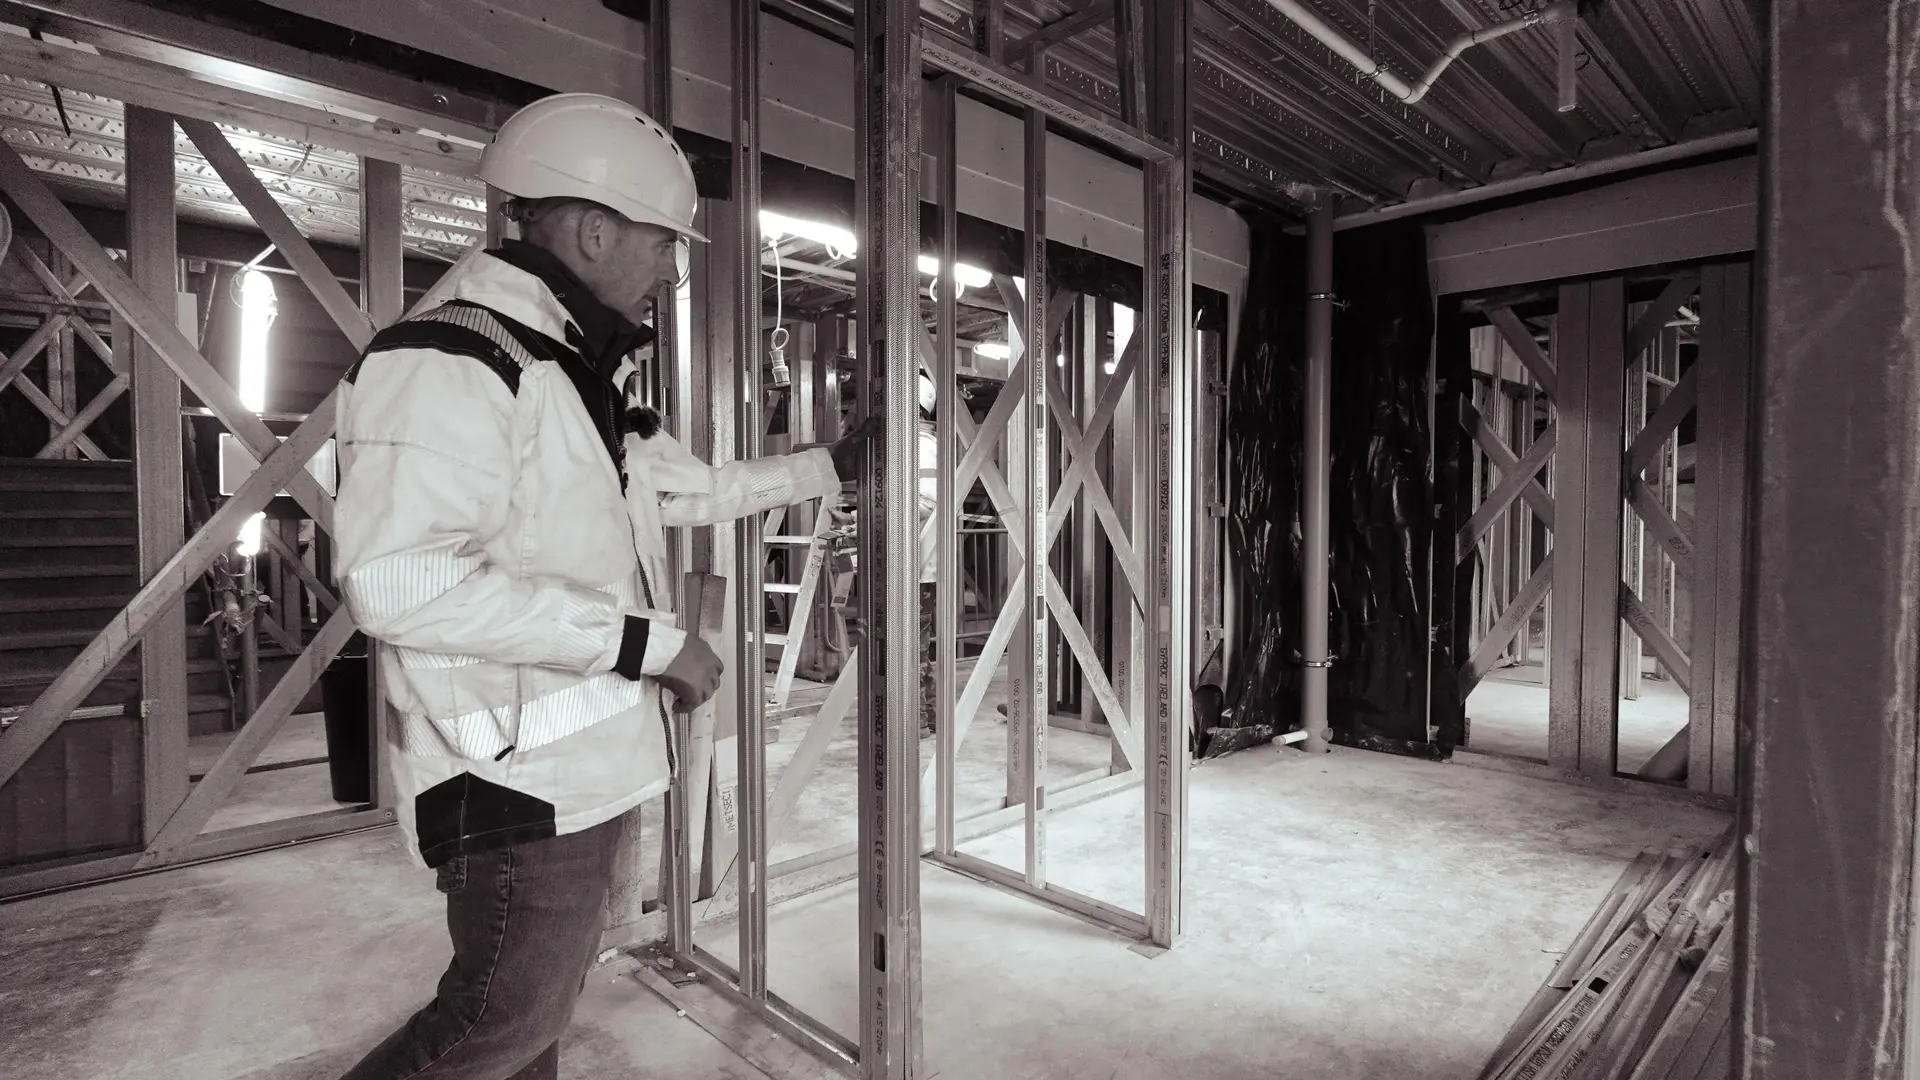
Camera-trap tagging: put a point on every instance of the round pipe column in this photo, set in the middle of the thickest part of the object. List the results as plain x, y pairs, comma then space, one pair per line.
1317, 456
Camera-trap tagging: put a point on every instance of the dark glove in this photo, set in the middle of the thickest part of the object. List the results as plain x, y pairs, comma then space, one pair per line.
693, 675
847, 450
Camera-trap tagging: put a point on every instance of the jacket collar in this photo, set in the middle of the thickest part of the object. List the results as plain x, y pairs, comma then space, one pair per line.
526, 284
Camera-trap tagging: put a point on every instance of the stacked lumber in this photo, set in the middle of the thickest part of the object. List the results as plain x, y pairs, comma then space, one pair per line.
1644, 993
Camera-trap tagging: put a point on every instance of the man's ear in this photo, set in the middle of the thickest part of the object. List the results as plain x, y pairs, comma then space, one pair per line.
596, 233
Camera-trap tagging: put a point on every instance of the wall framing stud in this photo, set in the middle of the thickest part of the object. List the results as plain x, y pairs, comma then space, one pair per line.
160, 483
1031, 665
750, 608
1166, 326
887, 47
946, 400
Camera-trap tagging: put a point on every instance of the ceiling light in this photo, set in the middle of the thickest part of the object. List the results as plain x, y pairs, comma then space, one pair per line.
992, 350
258, 306
838, 242
970, 277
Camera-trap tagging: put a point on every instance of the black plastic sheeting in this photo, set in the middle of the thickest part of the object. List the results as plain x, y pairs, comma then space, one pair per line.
1264, 396
1382, 495
1453, 477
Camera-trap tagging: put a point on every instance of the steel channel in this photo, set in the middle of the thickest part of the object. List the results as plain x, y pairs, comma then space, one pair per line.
1018, 90
784, 1017
1033, 661
887, 61
1168, 402
1067, 901
676, 853
946, 553
750, 617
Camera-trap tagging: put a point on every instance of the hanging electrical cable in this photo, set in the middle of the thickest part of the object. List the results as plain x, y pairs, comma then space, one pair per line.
777, 342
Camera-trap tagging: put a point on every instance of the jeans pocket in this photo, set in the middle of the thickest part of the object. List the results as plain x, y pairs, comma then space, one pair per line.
451, 876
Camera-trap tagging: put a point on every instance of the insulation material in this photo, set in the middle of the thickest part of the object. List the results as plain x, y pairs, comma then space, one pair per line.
1381, 492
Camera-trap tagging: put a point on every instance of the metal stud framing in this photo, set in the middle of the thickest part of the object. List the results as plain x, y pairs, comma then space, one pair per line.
162, 360
904, 812
1144, 521
1620, 476
887, 67
1166, 324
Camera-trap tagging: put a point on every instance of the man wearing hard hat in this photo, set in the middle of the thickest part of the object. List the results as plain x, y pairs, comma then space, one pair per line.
500, 532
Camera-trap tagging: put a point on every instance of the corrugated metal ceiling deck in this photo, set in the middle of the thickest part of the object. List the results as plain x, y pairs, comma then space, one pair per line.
1275, 108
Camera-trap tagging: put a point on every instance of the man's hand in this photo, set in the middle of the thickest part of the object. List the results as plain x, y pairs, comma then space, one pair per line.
847, 450
693, 675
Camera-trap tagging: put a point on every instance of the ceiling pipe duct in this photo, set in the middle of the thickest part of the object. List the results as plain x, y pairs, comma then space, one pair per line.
1554, 13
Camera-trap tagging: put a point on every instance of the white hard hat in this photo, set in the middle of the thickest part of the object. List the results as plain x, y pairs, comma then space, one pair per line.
928, 393
593, 147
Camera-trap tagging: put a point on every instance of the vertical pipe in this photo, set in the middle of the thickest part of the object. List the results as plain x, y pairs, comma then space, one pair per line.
750, 672
249, 643
160, 487
887, 204
1313, 489
1032, 664
946, 400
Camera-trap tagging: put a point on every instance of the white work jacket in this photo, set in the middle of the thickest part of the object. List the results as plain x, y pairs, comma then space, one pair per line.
484, 541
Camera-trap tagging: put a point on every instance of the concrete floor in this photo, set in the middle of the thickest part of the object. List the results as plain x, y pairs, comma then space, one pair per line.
1351, 916
1508, 712
283, 965
277, 793
1390, 919
826, 814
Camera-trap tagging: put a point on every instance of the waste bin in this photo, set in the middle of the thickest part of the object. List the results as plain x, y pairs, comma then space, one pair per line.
344, 693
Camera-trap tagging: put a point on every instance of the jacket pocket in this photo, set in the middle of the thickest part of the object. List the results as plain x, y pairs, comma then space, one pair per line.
451, 876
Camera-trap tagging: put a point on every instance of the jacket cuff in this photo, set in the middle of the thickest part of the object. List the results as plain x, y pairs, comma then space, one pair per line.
818, 477
633, 648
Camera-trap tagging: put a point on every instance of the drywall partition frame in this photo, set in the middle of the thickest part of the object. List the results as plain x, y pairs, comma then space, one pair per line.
175, 817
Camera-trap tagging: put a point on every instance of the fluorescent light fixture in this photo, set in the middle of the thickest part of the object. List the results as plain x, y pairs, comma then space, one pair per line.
992, 350
250, 535
258, 305
837, 241
970, 277
1122, 333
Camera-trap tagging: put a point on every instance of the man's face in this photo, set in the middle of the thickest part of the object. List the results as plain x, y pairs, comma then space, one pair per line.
634, 264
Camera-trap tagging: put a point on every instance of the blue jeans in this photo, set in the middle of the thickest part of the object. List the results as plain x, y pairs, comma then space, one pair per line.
525, 923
